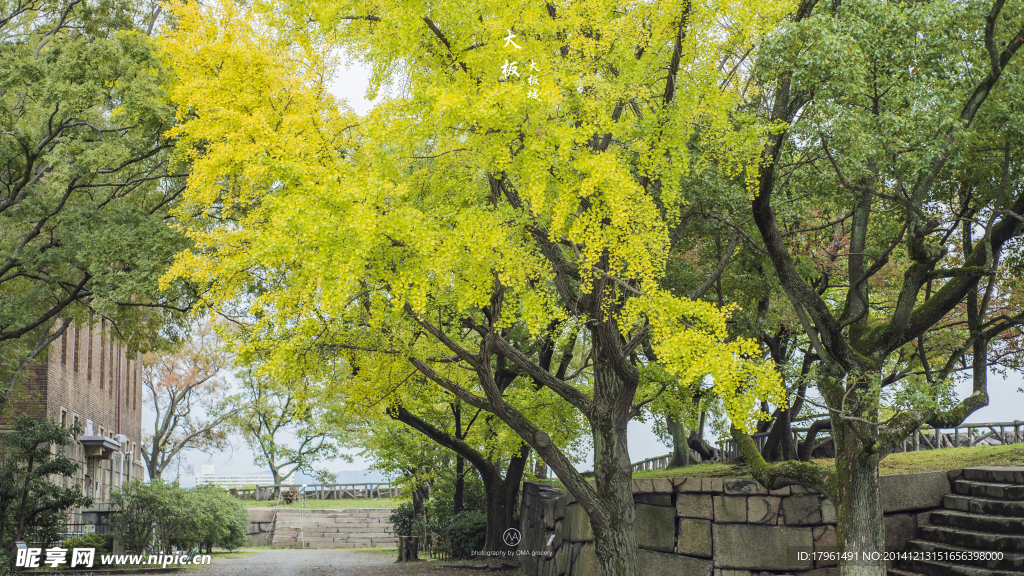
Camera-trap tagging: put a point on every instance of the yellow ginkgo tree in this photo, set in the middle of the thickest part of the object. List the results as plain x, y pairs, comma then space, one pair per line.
523, 177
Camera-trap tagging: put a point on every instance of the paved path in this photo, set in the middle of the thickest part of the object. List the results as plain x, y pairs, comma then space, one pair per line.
317, 563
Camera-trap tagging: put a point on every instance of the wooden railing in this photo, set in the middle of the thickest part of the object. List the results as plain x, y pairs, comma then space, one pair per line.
320, 491
926, 438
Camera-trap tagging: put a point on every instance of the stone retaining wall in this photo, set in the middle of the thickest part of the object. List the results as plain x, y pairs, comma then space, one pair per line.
715, 526
261, 526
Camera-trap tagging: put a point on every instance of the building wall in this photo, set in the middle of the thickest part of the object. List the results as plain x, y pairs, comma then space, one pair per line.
88, 376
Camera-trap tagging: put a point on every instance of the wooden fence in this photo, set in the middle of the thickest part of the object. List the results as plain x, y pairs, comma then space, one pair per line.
928, 438
320, 491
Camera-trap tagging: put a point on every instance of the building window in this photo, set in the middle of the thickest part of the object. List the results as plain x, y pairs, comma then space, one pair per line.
88, 352
78, 336
64, 347
63, 418
77, 421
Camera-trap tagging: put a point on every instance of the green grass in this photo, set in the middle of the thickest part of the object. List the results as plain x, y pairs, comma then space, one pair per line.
708, 470
898, 463
951, 458
328, 504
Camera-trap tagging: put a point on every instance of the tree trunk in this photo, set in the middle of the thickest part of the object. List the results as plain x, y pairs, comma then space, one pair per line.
779, 445
458, 500
615, 533
501, 495
680, 446
277, 481
860, 527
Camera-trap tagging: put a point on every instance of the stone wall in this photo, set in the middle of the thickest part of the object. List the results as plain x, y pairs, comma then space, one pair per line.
714, 526
261, 526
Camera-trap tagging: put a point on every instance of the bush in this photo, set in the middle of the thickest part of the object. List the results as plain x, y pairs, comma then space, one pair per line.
163, 516
225, 521
402, 519
465, 533
87, 541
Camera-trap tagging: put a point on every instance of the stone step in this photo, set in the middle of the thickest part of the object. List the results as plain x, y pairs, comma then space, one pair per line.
978, 522
983, 505
1009, 475
972, 539
1009, 560
996, 490
932, 568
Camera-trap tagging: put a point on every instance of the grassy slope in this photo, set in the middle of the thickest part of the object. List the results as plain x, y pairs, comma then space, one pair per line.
899, 463
328, 504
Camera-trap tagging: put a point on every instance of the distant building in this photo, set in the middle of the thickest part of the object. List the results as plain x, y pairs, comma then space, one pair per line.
89, 378
207, 476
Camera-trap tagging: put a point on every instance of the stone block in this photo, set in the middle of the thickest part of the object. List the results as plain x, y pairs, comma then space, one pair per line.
899, 529
260, 515
784, 491
763, 509
562, 556
642, 486
560, 508
586, 561
688, 484
576, 526
655, 527
694, 537
658, 563
662, 485
690, 505
906, 492
825, 541
760, 547
653, 499
743, 487
800, 489
549, 514
801, 510
828, 511
711, 485
730, 508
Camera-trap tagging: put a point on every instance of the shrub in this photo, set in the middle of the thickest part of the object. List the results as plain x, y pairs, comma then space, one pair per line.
465, 533
402, 519
165, 516
87, 541
225, 521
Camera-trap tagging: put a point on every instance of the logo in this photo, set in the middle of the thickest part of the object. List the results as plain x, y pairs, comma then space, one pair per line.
512, 537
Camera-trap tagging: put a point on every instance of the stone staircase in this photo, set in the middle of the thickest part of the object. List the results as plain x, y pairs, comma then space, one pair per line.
351, 528
984, 514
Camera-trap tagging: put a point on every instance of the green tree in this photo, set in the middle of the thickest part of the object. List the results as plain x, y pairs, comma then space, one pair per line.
899, 131
86, 178
491, 200
33, 504
268, 411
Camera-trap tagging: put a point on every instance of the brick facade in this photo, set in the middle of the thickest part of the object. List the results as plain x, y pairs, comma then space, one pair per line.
88, 377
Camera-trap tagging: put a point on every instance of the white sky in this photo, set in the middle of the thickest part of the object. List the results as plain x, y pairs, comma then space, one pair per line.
1005, 403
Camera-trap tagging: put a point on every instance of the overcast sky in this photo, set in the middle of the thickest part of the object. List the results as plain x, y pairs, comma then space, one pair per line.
1005, 403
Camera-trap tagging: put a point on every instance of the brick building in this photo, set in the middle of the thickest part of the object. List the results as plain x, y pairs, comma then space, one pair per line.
89, 378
